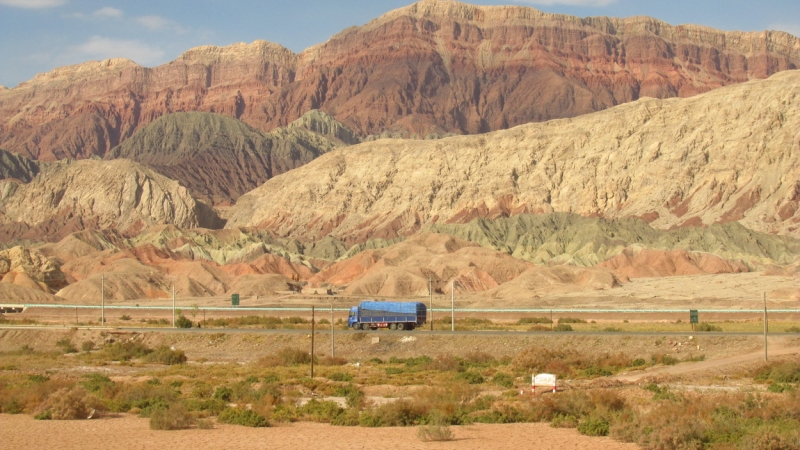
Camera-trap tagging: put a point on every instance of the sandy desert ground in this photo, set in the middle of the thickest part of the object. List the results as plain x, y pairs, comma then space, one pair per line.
128, 432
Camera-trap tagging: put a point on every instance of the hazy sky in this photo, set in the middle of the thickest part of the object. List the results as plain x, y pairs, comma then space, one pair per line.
39, 35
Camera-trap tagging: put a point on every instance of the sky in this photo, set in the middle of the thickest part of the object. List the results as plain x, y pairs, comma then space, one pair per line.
40, 35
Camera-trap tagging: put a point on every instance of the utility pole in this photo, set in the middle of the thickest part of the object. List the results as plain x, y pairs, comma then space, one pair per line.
430, 291
453, 305
173, 306
764, 298
102, 299
333, 346
312, 342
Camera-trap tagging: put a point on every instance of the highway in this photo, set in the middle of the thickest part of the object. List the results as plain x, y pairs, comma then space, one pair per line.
386, 333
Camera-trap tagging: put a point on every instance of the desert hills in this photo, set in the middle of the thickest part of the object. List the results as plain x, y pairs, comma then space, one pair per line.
727, 155
253, 170
430, 69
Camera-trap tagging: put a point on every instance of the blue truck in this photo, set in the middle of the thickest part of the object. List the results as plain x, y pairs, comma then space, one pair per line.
371, 315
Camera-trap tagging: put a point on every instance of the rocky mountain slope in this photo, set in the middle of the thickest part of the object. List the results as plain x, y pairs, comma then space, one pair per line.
75, 195
18, 167
432, 68
725, 156
219, 158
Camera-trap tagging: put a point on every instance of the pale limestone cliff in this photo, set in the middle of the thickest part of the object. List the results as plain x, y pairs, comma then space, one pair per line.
728, 155
69, 196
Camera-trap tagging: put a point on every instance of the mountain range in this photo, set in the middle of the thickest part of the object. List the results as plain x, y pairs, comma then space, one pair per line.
499, 151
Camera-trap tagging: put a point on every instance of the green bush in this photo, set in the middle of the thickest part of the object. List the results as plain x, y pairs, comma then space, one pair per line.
780, 388
124, 317
593, 426
533, 320
638, 362
503, 379
66, 346
705, 326
321, 411
223, 393
570, 320
340, 376
243, 417
470, 377
124, 351
183, 322
94, 382
562, 327
352, 394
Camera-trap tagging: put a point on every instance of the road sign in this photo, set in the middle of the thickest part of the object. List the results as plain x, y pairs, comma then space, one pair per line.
694, 317
234, 299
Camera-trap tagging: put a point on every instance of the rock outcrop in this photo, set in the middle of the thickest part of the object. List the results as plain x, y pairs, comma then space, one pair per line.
76, 195
725, 156
430, 69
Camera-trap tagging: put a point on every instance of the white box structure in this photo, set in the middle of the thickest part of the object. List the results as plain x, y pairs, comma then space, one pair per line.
543, 380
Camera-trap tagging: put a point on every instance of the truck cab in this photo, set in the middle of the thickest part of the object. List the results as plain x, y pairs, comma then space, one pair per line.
353, 317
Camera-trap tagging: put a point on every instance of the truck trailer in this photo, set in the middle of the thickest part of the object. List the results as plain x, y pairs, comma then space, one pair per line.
371, 315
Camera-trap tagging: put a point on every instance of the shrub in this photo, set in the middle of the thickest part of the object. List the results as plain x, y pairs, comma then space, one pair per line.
705, 326
66, 346
638, 362
562, 327
470, 377
436, 431
124, 351
183, 322
68, 404
533, 321
126, 317
660, 393
87, 346
503, 379
175, 417
243, 417
570, 320
352, 393
287, 357
94, 382
593, 426
167, 356
340, 376
564, 421
780, 388
321, 411
223, 393
665, 359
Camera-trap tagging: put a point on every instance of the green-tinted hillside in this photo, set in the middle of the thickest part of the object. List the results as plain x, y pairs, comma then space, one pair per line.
220, 158
569, 238
13, 165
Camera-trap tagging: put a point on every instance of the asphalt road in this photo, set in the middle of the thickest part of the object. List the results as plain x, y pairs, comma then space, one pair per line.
420, 332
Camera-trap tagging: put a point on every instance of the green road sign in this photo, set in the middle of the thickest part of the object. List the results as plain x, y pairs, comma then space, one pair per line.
234, 299
694, 317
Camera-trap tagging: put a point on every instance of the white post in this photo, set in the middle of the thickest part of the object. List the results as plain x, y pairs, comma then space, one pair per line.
173, 306
333, 347
453, 305
430, 291
102, 299
764, 297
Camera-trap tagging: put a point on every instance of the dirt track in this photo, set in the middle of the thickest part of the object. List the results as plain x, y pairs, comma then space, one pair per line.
129, 432
776, 347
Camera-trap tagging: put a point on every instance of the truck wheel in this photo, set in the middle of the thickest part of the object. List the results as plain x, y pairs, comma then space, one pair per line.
392, 326
365, 326
401, 326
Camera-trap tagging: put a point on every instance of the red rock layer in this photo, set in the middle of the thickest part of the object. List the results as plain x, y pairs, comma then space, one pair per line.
432, 67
